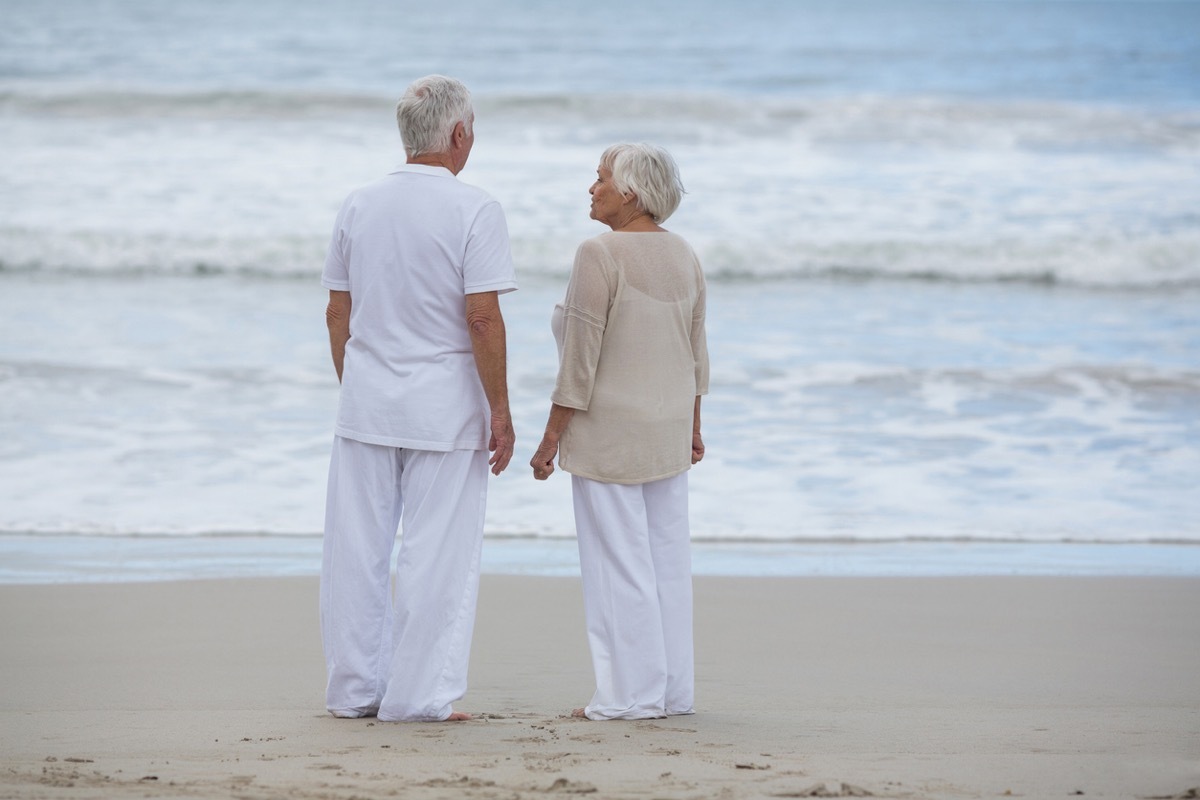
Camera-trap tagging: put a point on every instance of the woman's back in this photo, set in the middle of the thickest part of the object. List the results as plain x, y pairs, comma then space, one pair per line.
631, 340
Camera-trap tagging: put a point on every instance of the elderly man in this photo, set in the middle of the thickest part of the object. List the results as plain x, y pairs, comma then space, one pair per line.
414, 272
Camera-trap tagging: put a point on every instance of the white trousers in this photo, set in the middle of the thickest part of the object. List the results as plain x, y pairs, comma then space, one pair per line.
635, 556
400, 651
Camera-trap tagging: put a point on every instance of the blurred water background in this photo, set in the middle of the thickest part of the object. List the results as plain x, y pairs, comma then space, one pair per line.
953, 249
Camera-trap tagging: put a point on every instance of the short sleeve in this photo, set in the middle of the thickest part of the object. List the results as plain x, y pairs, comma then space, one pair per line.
487, 262
336, 275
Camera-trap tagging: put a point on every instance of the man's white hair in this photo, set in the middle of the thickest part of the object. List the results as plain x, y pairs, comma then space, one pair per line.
428, 112
649, 172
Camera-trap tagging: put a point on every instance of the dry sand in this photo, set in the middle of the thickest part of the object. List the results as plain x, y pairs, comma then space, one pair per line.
918, 687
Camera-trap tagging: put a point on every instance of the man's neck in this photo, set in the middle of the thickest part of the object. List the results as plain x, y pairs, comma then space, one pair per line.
434, 160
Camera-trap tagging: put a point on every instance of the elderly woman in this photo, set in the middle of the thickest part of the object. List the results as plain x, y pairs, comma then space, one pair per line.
625, 422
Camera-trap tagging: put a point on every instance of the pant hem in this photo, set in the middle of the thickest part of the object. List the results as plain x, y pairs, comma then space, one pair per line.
353, 713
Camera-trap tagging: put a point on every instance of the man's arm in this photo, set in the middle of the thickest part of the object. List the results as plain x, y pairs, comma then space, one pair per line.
337, 319
488, 342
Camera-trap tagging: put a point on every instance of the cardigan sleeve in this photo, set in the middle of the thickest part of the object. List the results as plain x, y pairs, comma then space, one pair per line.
585, 316
700, 338
700, 346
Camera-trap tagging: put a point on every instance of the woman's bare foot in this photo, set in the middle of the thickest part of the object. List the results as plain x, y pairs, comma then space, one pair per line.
578, 712
458, 716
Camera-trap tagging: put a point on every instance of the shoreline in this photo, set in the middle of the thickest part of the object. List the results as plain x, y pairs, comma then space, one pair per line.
27, 559
932, 687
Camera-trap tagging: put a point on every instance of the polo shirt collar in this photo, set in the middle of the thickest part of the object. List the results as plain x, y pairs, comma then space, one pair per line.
423, 169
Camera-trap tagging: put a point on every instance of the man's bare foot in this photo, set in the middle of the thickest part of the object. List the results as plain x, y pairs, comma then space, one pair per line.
458, 716
578, 712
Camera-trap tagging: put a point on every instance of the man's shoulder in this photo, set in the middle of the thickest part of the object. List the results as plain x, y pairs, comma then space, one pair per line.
472, 193
429, 188
380, 185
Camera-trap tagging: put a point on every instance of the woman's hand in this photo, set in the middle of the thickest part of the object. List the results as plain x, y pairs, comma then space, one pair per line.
697, 447
543, 460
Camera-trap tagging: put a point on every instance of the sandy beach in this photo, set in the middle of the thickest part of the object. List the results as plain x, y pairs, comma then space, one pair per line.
910, 687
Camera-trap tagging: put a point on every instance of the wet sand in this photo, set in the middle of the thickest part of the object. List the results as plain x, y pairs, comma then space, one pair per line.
889, 687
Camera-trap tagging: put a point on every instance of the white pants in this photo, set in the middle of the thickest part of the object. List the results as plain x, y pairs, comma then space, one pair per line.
400, 651
635, 556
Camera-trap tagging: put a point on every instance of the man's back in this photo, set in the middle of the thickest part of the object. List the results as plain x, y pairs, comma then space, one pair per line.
409, 248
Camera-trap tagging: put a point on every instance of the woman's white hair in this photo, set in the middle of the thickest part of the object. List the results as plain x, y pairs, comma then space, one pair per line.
649, 172
428, 112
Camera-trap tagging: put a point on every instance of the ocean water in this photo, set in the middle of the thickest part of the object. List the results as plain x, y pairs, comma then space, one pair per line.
953, 251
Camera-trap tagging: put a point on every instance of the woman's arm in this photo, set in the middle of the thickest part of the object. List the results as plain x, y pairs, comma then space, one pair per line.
543, 460
697, 442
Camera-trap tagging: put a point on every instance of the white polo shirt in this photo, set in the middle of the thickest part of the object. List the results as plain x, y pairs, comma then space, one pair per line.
409, 247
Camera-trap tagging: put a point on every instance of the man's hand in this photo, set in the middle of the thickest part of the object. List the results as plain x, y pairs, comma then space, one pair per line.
697, 447
502, 442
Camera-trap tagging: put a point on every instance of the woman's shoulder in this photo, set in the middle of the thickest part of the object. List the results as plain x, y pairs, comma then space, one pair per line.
611, 249
595, 243
642, 240
614, 250
594, 250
